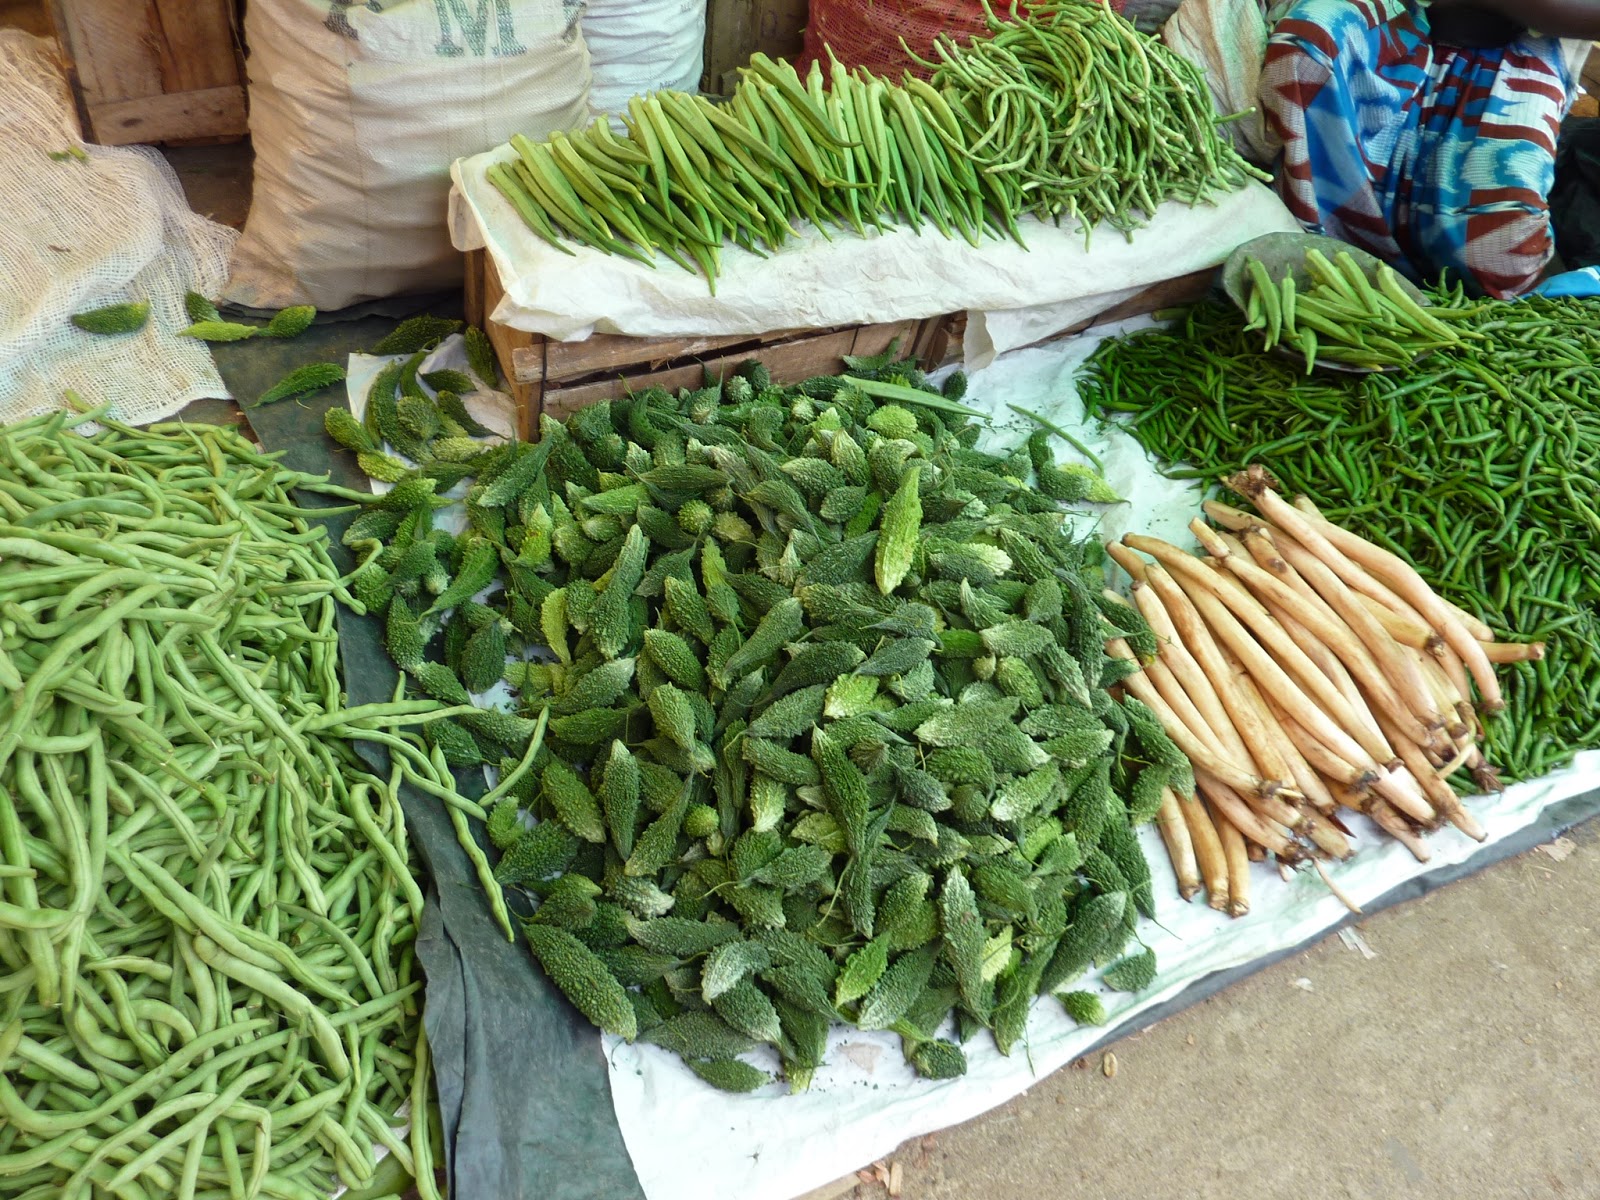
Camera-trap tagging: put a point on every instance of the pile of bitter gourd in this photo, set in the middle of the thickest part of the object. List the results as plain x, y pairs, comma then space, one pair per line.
828, 736
207, 916
1066, 112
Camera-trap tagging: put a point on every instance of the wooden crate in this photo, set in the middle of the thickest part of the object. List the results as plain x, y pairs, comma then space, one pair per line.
559, 377
153, 70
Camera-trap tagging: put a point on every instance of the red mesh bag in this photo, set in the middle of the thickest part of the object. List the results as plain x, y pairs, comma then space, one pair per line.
867, 33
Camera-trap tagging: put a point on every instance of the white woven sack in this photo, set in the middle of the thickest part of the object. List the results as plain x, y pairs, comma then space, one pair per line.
77, 234
638, 46
357, 111
1227, 39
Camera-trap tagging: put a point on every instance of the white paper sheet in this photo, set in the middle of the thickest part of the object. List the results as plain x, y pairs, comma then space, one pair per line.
1013, 296
688, 1142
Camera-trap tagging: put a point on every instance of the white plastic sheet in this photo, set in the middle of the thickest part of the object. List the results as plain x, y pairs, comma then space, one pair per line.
1013, 296
771, 1146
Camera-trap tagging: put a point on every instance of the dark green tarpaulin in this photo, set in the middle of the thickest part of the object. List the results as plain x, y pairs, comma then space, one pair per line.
521, 1077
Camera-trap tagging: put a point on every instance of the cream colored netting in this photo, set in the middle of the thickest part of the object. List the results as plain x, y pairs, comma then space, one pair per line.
77, 235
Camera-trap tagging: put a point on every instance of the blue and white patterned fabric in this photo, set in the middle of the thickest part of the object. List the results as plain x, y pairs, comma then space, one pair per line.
1435, 159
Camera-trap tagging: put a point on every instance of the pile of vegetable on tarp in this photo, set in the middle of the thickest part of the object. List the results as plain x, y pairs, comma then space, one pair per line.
822, 727
1068, 113
209, 914
1475, 464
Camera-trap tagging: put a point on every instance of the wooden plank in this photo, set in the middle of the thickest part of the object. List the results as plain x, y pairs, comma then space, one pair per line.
528, 395
473, 265
1169, 293
630, 356
55, 10
933, 339
875, 339
1591, 70
109, 41
131, 60
789, 362
603, 352
214, 112
195, 44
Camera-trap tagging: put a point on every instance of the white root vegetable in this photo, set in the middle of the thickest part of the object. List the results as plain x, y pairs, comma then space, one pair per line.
1208, 851
1183, 707
1127, 560
1396, 826
1473, 625
1302, 668
1338, 893
1450, 662
1402, 628
1238, 857
1389, 655
1256, 734
1364, 582
1305, 777
1487, 777
1180, 847
1335, 636
1513, 652
1228, 517
1239, 816
1202, 756
1315, 648
1400, 575
1445, 692
1227, 607
1440, 794
1331, 665
1275, 681
1186, 673
1397, 786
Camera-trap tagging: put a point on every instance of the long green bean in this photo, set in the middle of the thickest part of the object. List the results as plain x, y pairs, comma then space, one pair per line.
187, 834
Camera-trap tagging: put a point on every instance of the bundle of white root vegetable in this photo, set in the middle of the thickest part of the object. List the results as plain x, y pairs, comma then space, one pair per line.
1303, 670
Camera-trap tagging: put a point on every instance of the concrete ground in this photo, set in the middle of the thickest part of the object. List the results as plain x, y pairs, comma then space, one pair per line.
1454, 1058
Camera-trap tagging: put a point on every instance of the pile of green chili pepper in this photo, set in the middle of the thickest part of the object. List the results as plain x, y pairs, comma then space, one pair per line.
1479, 465
207, 920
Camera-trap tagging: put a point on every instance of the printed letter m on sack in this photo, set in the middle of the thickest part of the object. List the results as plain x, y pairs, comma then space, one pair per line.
475, 29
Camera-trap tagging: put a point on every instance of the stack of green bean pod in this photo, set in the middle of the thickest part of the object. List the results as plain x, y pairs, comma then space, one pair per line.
1479, 465
1068, 112
1072, 112
207, 917
1344, 316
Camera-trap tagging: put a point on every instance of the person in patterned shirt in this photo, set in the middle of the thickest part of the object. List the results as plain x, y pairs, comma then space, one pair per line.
1426, 133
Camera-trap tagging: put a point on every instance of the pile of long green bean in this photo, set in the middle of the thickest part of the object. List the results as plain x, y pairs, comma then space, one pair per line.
1071, 111
1480, 465
206, 914
1067, 112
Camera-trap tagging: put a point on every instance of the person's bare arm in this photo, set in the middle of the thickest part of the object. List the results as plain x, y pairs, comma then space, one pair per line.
1554, 18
